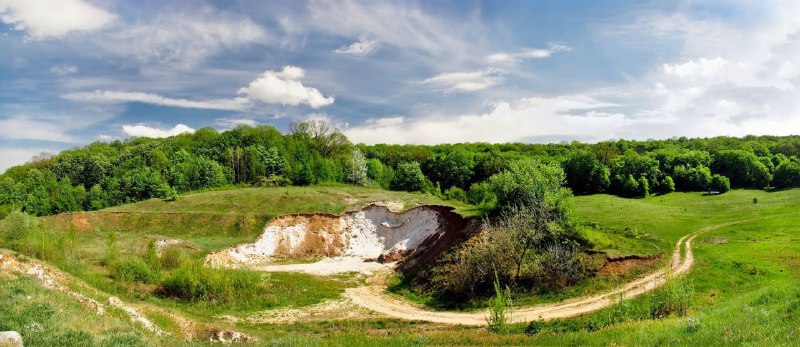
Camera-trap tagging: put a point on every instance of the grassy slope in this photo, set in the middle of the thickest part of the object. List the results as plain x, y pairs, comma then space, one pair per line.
746, 289
214, 220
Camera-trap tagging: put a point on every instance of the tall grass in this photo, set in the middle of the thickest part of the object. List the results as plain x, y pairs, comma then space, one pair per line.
500, 311
25, 234
194, 282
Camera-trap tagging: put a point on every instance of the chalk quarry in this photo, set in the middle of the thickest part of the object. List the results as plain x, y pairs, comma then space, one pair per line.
359, 241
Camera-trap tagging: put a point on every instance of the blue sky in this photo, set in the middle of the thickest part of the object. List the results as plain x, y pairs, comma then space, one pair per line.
77, 71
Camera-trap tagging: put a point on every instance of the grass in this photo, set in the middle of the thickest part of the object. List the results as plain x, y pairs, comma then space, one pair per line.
743, 289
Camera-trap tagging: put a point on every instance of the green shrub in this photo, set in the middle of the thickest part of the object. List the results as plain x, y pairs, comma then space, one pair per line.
194, 282
132, 269
673, 298
499, 312
173, 257
534, 327
456, 193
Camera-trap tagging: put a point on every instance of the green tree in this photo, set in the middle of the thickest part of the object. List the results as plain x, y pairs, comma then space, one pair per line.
720, 183
409, 177
356, 168
787, 174
96, 198
585, 173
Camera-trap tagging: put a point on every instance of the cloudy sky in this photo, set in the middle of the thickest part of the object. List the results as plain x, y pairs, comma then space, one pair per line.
77, 71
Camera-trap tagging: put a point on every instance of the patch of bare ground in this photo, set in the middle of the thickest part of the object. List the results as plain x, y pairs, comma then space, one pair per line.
340, 309
627, 265
715, 240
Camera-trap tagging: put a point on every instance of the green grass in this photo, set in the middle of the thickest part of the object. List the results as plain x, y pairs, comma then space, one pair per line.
745, 284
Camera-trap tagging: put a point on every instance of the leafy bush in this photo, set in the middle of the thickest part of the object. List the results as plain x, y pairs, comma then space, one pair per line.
720, 183
132, 269
194, 282
456, 193
409, 177
173, 257
273, 181
500, 311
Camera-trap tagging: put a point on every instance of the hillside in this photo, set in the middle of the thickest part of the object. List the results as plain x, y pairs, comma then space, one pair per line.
750, 265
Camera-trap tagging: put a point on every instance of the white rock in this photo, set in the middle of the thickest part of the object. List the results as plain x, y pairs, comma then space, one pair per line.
10, 338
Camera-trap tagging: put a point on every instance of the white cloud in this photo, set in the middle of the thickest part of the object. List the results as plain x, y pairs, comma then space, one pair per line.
184, 40
400, 24
530, 53
13, 156
271, 87
464, 81
284, 87
42, 19
361, 48
702, 67
106, 96
230, 123
145, 131
25, 128
573, 116
64, 70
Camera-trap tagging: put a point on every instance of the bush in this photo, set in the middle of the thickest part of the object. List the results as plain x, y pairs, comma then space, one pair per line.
673, 298
409, 177
273, 181
534, 327
456, 193
500, 311
132, 269
194, 282
173, 257
720, 183
482, 196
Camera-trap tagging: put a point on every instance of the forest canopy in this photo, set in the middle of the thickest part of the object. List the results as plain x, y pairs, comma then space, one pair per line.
104, 174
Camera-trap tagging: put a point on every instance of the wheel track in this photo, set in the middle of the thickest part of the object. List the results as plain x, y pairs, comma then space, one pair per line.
375, 297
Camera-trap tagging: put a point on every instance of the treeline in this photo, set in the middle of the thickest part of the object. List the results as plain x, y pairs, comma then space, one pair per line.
107, 174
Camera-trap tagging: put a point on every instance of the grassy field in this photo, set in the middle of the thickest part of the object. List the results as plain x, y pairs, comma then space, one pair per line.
743, 289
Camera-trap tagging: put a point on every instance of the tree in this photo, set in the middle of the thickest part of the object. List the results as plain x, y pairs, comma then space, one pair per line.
668, 185
585, 173
644, 187
409, 177
96, 198
630, 187
454, 167
325, 139
743, 168
527, 182
720, 183
356, 168
787, 174
692, 179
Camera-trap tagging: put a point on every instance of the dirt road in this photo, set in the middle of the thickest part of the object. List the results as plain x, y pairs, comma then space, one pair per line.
375, 297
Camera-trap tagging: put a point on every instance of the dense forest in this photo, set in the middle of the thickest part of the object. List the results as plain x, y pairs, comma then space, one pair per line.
105, 174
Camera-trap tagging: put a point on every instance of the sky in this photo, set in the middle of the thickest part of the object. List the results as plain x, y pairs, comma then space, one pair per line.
427, 72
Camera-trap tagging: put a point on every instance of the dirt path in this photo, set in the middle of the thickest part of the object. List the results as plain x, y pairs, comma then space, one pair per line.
375, 297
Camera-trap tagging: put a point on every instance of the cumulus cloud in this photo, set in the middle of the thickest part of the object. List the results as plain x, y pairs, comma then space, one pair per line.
64, 70
284, 87
702, 67
106, 96
361, 48
41, 19
271, 87
469, 81
530, 53
145, 131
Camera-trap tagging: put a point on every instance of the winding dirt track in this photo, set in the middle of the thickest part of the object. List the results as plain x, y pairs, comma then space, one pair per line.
375, 297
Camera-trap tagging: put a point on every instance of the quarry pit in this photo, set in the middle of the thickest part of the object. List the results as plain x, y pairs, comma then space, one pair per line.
372, 238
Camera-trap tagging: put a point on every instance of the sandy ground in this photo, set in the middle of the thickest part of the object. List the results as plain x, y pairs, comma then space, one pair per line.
375, 297
331, 266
